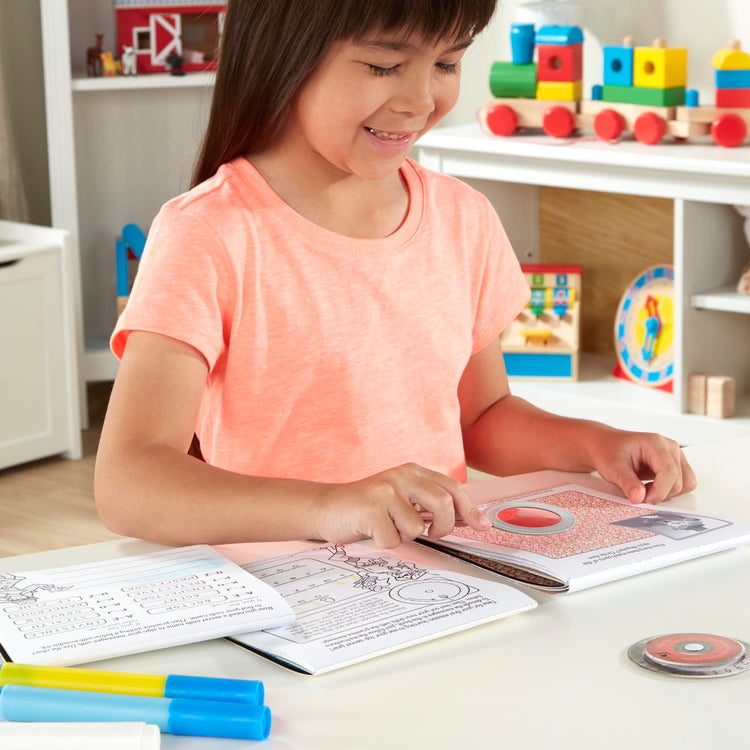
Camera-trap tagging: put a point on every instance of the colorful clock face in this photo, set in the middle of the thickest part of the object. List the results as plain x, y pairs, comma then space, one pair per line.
644, 328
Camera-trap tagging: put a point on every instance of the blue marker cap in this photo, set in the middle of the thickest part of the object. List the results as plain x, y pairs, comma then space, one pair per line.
219, 719
214, 689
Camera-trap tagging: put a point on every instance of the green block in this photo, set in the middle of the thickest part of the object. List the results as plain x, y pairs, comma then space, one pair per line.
510, 80
649, 97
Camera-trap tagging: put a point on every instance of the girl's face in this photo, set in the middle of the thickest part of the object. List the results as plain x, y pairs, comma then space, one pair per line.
368, 102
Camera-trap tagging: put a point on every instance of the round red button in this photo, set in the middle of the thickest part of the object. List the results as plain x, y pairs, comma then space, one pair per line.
534, 518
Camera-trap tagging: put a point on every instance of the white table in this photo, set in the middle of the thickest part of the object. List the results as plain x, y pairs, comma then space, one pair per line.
554, 677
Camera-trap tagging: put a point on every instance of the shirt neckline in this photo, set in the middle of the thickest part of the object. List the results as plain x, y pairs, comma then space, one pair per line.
326, 238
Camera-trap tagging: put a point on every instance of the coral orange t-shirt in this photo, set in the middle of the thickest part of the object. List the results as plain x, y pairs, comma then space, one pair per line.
330, 358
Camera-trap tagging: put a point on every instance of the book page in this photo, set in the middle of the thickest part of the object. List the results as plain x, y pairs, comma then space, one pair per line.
576, 537
82, 613
354, 602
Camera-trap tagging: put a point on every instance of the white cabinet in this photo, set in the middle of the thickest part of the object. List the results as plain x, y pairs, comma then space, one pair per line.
118, 149
38, 359
712, 322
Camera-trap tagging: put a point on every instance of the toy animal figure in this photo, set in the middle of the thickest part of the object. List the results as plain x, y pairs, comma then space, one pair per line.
111, 66
175, 62
743, 285
128, 61
93, 57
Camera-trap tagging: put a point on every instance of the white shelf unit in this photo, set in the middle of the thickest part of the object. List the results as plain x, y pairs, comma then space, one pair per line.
118, 149
38, 366
712, 322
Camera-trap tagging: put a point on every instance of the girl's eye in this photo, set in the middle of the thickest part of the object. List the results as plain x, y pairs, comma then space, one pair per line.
447, 67
381, 71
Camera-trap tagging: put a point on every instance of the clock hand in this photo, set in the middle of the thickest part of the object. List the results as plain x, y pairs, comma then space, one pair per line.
653, 325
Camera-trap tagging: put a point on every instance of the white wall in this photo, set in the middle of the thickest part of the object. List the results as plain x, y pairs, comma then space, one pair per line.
20, 48
702, 26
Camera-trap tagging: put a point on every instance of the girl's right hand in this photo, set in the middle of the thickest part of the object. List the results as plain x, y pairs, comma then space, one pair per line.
385, 507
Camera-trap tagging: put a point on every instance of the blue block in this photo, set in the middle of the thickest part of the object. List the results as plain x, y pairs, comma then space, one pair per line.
618, 66
692, 98
538, 365
559, 35
733, 79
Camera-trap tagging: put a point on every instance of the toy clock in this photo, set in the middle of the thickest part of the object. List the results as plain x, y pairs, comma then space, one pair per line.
644, 328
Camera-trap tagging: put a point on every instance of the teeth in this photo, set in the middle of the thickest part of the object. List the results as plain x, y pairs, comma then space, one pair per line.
384, 135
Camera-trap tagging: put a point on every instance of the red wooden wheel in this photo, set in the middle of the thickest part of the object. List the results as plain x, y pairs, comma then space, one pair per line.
608, 125
502, 120
649, 128
728, 130
558, 122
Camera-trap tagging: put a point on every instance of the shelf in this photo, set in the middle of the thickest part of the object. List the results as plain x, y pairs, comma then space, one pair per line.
141, 82
727, 299
600, 396
697, 170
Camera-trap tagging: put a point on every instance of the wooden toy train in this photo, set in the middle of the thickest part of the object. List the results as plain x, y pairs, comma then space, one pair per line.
644, 90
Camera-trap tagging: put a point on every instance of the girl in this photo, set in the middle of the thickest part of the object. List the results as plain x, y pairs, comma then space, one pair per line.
323, 313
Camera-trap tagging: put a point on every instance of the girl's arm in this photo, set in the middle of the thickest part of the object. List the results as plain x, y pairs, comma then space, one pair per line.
146, 484
504, 435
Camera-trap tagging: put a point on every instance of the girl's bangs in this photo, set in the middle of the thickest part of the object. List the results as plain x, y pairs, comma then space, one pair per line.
431, 19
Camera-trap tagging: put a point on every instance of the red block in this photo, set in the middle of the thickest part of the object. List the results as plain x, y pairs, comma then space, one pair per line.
559, 62
733, 97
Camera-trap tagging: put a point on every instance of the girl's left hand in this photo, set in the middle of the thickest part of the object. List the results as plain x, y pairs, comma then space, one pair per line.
628, 459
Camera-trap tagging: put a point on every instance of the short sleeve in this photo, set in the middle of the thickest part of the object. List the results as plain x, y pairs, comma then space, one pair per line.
184, 287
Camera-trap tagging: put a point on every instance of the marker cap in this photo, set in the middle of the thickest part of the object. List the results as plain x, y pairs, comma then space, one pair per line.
214, 689
219, 719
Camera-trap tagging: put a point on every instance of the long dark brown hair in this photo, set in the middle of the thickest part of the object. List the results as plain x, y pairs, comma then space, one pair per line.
270, 48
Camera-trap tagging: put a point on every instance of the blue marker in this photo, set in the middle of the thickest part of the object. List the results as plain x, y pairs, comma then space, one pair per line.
175, 716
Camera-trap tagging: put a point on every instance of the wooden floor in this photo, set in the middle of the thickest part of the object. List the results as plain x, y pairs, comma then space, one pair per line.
49, 504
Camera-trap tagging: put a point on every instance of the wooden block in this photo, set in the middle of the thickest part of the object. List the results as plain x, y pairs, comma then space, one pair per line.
731, 58
568, 91
645, 96
560, 62
618, 65
508, 79
696, 397
720, 396
733, 98
732, 79
660, 67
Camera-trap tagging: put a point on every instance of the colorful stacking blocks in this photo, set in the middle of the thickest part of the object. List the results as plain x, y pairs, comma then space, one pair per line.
732, 70
559, 63
654, 76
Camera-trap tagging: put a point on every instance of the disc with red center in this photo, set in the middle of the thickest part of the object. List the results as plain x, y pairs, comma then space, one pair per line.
531, 518
691, 654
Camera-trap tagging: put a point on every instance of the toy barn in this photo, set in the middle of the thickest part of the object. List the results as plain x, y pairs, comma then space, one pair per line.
159, 30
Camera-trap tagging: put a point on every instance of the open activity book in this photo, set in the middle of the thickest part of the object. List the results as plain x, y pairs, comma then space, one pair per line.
328, 606
318, 609
571, 537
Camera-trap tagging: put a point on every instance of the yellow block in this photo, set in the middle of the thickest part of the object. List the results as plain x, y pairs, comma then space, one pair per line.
660, 67
731, 59
566, 91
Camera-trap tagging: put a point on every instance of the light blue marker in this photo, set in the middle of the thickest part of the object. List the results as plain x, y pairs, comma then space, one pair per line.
175, 716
